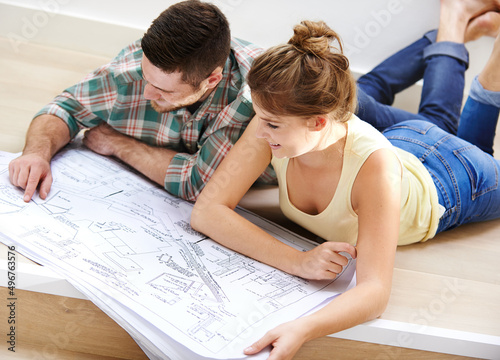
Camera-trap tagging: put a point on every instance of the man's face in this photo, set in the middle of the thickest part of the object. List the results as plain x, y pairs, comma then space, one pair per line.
166, 91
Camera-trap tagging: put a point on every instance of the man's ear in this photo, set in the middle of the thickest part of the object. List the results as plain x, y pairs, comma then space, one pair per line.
214, 78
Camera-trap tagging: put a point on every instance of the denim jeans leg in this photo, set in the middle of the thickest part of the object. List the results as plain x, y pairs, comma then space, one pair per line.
443, 88
397, 72
376, 90
379, 115
443, 65
479, 118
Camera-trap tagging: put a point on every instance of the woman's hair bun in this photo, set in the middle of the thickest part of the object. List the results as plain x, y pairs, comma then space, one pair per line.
308, 76
314, 37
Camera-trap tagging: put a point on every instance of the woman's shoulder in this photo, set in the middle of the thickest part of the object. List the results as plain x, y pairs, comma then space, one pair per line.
363, 137
363, 127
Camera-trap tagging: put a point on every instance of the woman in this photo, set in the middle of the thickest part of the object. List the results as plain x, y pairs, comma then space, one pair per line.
343, 180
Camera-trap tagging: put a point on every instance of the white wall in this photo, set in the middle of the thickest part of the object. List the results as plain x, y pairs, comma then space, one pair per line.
370, 29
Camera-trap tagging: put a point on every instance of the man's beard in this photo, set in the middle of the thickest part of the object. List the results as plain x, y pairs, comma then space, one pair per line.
164, 109
195, 97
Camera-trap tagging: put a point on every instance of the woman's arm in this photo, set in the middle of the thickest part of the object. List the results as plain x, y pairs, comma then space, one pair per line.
214, 215
376, 200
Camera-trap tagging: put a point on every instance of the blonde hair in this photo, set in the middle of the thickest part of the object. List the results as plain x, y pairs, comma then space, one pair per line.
306, 77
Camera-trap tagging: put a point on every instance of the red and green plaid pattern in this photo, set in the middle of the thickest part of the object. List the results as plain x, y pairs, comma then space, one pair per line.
114, 93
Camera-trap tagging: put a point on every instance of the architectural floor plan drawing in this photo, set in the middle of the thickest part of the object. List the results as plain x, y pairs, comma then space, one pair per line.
127, 244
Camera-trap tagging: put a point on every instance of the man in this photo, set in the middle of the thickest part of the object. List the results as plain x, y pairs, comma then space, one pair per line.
170, 105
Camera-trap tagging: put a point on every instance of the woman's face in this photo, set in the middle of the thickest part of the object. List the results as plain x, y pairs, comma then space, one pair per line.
288, 136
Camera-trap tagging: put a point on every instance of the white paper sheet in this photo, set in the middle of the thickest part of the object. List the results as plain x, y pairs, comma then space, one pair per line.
127, 245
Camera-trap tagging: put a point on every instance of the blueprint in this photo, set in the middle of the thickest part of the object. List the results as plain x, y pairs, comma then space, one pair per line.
127, 244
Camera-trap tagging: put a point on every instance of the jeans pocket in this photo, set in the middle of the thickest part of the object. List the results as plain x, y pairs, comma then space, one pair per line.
481, 168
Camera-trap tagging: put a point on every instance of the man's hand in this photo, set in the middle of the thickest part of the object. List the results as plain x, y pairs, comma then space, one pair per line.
29, 171
103, 139
46, 135
149, 160
324, 262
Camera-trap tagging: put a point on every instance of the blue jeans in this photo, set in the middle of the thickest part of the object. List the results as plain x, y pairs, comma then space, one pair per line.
442, 66
466, 178
479, 117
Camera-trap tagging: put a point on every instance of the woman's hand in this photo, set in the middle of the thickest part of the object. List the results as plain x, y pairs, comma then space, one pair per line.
286, 339
325, 261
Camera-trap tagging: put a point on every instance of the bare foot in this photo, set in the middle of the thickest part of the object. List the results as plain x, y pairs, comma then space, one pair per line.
484, 25
455, 16
472, 8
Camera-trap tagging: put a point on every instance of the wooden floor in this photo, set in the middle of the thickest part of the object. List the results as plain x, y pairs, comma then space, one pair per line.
452, 281
60, 328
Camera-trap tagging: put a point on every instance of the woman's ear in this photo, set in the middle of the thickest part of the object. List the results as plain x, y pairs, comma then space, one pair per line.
319, 123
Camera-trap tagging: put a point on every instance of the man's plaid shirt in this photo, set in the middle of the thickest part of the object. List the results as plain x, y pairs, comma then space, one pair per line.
114, 93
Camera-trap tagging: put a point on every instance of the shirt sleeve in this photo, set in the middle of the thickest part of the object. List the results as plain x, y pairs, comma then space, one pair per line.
74, 107
90, 101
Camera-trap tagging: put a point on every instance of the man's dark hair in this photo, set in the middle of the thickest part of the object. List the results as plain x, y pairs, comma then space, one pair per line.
192, 37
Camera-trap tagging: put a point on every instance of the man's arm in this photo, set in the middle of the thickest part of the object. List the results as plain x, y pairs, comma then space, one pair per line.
85, 104
182, 174
46, 135
151, 161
